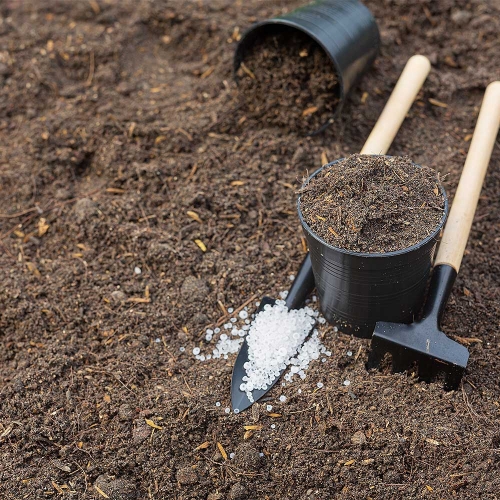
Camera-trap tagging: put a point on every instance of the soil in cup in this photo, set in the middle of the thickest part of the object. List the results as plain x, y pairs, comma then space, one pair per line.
287, 80
373, 204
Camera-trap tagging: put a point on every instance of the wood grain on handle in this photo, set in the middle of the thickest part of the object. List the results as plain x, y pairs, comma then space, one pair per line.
407, 87
456, 231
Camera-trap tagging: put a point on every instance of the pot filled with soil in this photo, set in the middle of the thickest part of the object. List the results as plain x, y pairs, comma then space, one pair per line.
372, 223
295, 70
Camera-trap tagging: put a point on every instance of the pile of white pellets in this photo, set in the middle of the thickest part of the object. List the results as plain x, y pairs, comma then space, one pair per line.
277, 340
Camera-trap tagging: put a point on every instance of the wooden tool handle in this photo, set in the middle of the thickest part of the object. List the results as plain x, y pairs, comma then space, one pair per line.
410, 82
459, 222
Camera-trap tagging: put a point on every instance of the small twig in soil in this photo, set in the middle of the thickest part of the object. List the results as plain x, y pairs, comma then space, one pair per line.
301, 411
221, 320
323, 451
114, 376
471, 411
358, 353
7, 251
222, 307
187, 385
248, 71
88, 83
19, 214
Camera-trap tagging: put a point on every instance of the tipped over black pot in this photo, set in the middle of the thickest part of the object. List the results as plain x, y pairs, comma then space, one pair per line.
345, 29
358, 289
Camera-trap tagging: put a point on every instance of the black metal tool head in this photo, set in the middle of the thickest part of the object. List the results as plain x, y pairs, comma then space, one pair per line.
422, 343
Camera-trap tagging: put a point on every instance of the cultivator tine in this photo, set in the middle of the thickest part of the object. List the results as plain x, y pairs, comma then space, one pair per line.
400, 360
453, 378
426, 370
375, 357
420, 344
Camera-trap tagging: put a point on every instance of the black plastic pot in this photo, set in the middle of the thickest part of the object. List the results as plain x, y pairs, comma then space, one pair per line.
345, 29
358, 289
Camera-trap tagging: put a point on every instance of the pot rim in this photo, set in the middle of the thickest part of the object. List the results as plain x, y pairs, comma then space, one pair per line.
394, 253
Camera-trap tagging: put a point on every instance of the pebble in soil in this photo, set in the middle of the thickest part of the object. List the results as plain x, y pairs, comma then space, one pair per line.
373, 204
115, 488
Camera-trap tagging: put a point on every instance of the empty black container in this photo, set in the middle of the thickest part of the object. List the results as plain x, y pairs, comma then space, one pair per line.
346, 30
358, 289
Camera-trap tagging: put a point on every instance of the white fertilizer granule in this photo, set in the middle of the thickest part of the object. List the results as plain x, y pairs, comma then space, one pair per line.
274, 339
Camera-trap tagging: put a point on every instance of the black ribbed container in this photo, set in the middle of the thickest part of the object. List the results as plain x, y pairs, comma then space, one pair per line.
346, 30
358, 289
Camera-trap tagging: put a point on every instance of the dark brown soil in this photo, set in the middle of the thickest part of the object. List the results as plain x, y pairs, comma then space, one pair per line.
373, 204
116, 119
287, 80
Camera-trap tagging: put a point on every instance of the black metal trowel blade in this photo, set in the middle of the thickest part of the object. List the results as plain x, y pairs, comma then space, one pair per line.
302, 286
239, 398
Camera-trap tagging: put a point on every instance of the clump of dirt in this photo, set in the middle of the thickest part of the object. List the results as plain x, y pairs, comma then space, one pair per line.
373, 204
287, 80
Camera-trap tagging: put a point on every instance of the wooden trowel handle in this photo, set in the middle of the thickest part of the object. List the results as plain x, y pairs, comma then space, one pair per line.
407, 87
456, 231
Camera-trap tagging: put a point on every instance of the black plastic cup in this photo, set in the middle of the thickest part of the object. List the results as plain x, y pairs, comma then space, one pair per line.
345, 29
358, 289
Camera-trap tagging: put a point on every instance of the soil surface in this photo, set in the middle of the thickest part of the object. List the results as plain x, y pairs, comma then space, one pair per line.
373, 204
286, 79
137, 207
